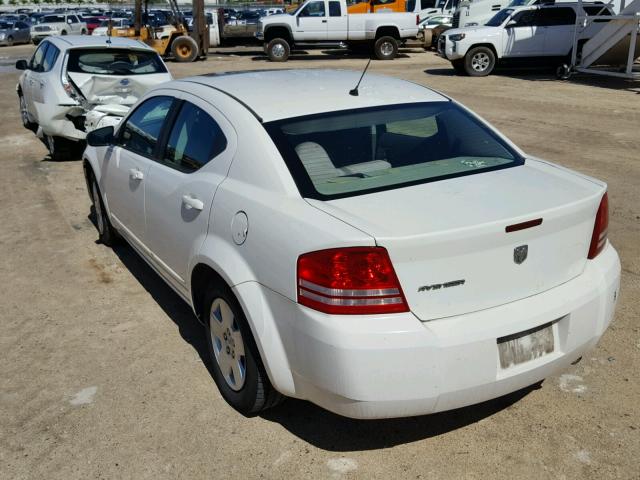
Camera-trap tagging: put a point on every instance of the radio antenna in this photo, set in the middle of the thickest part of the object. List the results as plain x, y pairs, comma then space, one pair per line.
354, 92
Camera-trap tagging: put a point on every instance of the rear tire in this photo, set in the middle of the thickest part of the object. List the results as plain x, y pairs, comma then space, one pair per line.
61, 149
278, 50
386, 48
479, 62
64, 32
236, 364
184, 49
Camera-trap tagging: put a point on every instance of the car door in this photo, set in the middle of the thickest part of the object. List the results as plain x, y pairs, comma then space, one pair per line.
311, 22
338, 26
25, 32
178, 197
126, 165
523, 36
560, 23
74, 24
32, 82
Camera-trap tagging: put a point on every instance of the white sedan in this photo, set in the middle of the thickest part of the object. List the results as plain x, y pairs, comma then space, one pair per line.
383, 254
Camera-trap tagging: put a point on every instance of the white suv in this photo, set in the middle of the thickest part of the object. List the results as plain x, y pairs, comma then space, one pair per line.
57, 24
540, 33
74, 84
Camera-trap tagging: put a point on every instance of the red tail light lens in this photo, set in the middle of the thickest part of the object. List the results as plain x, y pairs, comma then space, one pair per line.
356, 280
600, 229
417, 19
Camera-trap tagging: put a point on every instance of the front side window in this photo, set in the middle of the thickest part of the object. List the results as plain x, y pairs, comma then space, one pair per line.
195, 139
313, 9
114, 61
50, 58
499, 18
72, 19
38, 57
142, 129
528, 18
360, 151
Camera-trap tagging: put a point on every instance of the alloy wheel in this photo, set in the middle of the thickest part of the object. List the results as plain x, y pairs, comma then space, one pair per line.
480, 62
278, 50
228, 345
386, 49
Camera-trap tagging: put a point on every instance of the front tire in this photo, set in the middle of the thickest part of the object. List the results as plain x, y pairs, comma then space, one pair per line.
236, 365
479, 62
24, 115
386, 48
106, 233
278, 50
64, 32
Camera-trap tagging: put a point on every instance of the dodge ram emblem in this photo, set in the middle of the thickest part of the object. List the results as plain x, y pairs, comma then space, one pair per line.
520, 253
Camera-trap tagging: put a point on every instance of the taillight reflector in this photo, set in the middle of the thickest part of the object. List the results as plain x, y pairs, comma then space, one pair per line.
353, 280
600, 228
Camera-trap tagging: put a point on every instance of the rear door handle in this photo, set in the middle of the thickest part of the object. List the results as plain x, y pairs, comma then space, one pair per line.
136, 174
324, 21
190, 202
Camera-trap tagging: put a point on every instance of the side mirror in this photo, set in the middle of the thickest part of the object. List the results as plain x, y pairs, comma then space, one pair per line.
22, 65
101, 137
511, 24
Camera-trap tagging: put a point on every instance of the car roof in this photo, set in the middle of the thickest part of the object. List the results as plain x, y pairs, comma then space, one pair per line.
279, 94
68, 42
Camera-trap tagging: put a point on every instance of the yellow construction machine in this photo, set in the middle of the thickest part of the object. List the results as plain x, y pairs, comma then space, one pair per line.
172, 40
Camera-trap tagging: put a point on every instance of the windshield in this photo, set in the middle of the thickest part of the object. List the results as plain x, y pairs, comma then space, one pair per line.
52, 19
113, 61
499, 18
354, 152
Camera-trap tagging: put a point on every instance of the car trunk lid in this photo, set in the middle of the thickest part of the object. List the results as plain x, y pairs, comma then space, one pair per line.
114, 89
449, 244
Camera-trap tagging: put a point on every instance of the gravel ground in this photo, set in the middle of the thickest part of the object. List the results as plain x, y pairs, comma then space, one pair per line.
102, 364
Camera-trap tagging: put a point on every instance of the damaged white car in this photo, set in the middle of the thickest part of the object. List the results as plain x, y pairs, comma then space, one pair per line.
75, 84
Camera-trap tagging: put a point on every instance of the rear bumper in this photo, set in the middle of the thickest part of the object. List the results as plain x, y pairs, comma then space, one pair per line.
396, 365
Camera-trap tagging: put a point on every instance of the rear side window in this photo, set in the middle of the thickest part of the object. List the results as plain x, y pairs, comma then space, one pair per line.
142, 129
360, 151
194, 140
114, 61
553, 17
334, 9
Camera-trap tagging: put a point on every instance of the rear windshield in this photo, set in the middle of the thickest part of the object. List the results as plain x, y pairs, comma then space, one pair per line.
349, 153
114, 61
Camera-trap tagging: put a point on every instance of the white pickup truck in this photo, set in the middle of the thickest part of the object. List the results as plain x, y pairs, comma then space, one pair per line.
327, 21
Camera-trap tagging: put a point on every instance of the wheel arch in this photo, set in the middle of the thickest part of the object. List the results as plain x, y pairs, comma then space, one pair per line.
490, 46
278, 31
388, 31
262, 323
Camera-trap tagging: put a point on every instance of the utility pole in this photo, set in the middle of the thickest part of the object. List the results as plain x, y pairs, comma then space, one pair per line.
200, 28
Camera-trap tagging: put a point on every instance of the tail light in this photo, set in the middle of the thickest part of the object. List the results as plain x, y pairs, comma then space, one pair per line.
600, 229
417, 19
355, 280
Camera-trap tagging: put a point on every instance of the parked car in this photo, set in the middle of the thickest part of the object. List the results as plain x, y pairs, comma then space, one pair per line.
322, 21
14, 32
58, 24
383, 254
75, 84
103, 29
540, 33
430, 28
92, 23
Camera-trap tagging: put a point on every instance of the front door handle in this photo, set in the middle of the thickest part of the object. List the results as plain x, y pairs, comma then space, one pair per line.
324, 21
136, 174
190, 202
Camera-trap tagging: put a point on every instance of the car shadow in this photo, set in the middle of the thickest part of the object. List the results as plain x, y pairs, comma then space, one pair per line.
333, 54
335, 433
303, 419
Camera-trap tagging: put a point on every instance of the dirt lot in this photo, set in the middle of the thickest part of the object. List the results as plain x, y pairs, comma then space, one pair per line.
102, 365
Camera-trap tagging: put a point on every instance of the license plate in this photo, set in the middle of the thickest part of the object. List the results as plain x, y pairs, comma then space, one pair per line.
525, 346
